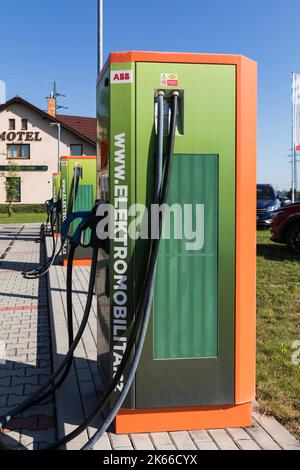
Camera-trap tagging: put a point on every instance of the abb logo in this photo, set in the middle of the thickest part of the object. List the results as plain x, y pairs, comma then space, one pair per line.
122, 76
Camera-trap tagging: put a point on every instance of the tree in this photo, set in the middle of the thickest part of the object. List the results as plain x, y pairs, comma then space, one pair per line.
11, 184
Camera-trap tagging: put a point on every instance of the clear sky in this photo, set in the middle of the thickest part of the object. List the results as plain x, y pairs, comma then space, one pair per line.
43, 40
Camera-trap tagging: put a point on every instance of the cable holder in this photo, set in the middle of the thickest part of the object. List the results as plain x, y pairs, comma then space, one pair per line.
88, 221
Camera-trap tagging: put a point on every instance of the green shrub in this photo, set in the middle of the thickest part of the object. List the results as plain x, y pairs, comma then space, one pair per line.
24, 208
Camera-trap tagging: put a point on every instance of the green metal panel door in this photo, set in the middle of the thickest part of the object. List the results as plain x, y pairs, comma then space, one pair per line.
185, 301
188, 357
84, 198
84, 202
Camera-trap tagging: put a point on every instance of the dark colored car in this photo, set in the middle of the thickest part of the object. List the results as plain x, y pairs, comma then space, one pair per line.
285, 226
268, 201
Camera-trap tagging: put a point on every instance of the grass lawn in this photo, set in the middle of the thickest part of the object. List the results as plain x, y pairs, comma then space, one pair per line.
278, 327
22, 218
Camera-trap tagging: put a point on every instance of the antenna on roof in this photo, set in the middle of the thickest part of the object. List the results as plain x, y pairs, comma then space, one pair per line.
54, 94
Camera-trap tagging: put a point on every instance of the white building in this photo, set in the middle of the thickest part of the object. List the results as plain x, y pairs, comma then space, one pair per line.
29, 144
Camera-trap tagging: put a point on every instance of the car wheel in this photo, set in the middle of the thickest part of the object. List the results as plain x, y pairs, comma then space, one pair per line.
293, 238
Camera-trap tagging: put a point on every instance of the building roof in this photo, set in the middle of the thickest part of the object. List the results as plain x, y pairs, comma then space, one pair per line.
85, 128
84, 125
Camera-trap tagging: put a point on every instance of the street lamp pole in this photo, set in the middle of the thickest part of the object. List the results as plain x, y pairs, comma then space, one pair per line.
56, 124
293, 136
58, 146
100, 36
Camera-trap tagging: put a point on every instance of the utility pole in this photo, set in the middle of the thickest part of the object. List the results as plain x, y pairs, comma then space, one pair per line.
53, 97
100, 36
54, 94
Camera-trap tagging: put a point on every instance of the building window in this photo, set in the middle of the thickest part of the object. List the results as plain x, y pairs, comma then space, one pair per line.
76, 150
13, 189
24, 124
12, 124
18, 151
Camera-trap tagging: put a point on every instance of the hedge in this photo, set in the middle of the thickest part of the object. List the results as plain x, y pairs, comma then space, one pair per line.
24, 208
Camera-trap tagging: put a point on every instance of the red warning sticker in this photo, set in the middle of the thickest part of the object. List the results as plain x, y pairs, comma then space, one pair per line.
169, 79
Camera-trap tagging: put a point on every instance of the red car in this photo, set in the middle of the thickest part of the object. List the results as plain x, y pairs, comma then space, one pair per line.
285, 226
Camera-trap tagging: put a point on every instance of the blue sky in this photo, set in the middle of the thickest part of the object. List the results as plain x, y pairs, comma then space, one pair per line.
56, 39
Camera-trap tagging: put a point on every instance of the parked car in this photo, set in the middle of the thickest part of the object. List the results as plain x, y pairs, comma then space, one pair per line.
268, 201
285, 226
285, 201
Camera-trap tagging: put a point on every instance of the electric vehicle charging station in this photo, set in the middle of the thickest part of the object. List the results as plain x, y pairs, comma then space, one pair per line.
197, 368
56, 178
56, 195
78, 193
176, 314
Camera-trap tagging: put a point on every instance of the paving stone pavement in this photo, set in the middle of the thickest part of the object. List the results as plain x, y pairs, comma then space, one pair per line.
33, 340
25, 337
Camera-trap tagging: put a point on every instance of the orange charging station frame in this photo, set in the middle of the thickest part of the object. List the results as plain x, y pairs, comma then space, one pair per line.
240, 413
